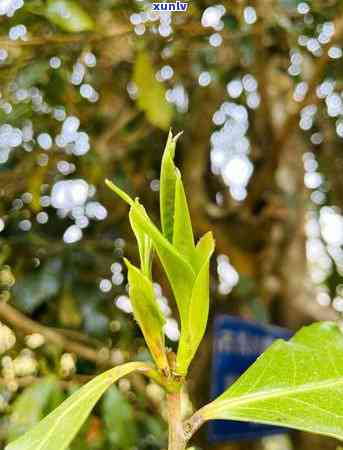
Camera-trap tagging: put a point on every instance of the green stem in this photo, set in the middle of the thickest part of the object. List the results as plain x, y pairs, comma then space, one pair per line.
177, 440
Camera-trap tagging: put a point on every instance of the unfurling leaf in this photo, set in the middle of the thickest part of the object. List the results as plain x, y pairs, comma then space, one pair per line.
167, 188
68, 15
186, 265
151, 93
180, 273
198, 307
147, 313
177, 227
290, 385
183, 238
57, 430
144, 243
175, 217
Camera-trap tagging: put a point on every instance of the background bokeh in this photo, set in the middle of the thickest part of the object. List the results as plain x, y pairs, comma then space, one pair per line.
88, 91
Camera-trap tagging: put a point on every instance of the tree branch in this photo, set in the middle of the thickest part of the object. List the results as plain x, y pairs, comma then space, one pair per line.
12, 316
176, 438
63, 39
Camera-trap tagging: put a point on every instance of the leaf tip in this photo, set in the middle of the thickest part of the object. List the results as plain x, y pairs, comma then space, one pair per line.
123, 195
177, 136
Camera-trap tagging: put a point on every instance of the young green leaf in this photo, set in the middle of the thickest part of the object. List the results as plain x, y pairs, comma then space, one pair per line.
175, 218
198, 306
144, 243
179, 272
167, 188
186, 265
147, 313
58, 429
68, 15
297, 384
183, 239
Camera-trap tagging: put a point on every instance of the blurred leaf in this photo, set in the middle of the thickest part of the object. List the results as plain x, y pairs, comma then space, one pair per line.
151, 93
37, 72
32, 290
155, 429
147, 313
118, 414
68, 311
69, 16
90, 437
296, 384
92, 304
230, 22
34, 186
56, 431
18, 113
246, 286
29, 406
95, 322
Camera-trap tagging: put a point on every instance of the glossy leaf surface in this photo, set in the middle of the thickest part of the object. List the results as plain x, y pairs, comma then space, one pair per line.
147, 313
56, 431
297, 384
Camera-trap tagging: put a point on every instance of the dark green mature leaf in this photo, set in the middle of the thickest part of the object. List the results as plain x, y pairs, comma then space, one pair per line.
297, 384
57, 430
147, 313
68, 15
23, 415
151, 94
120, 424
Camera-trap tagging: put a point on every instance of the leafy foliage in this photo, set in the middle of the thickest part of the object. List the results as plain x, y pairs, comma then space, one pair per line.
147, 313
294, 384
31, 291
56, 284
186, 266
58, 429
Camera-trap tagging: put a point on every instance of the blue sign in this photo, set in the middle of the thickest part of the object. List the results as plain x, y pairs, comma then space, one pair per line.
237, 344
